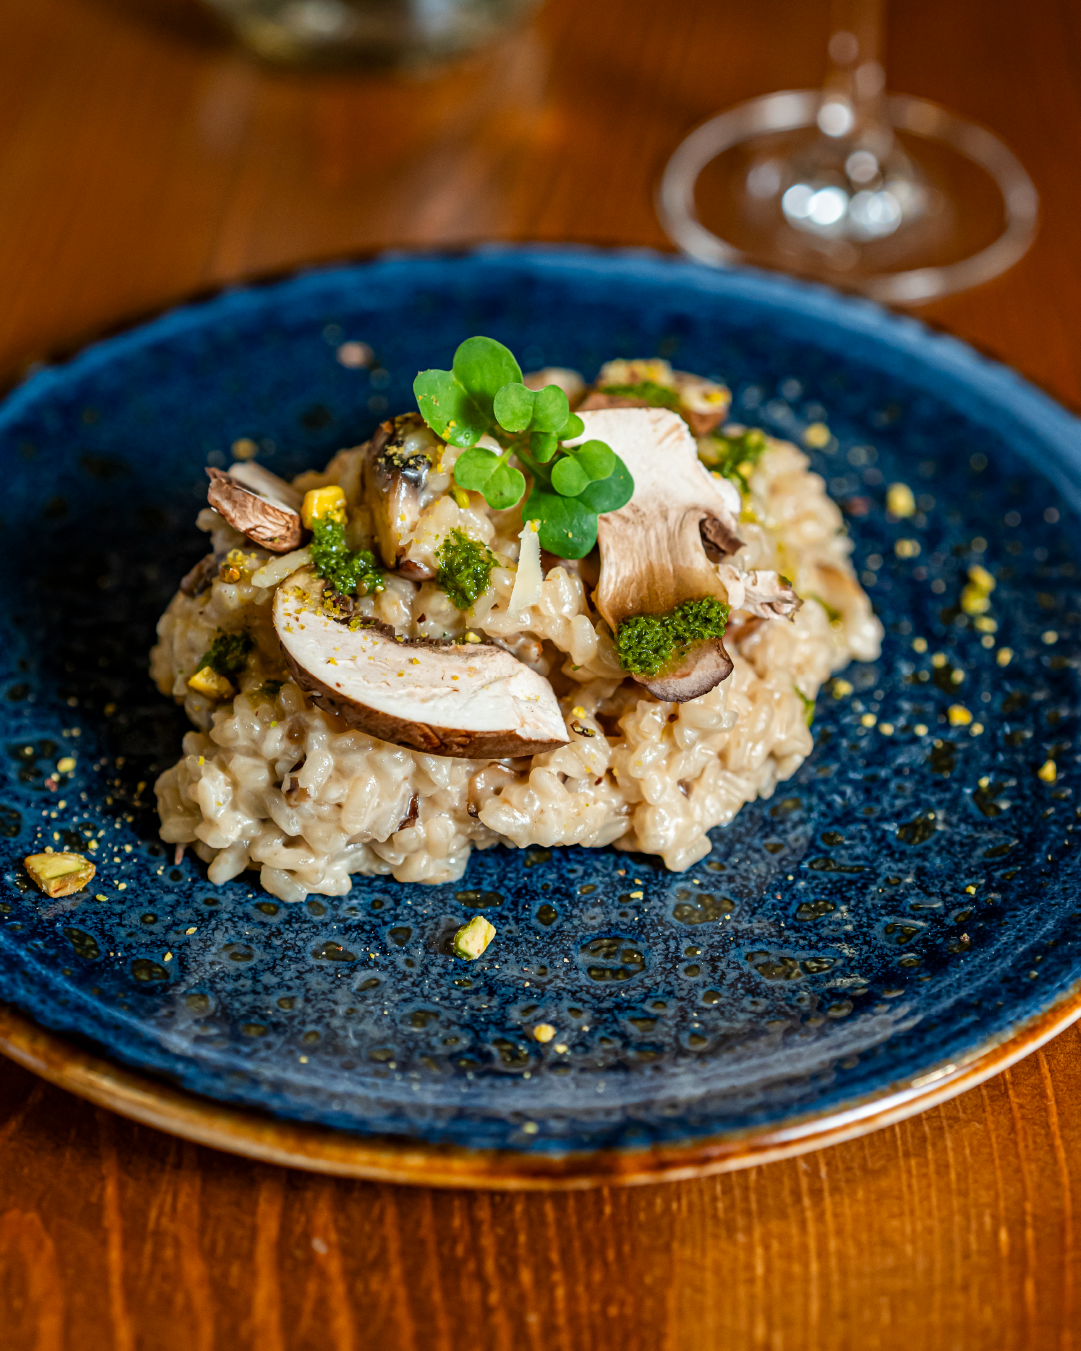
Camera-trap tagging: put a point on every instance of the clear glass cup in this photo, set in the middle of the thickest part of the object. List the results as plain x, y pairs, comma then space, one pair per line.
368, 32
893, 197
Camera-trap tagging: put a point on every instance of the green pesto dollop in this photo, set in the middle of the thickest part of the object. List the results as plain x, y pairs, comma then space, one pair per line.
732, 454
349, 572
646, 644
227, 654
657, 396
465, 568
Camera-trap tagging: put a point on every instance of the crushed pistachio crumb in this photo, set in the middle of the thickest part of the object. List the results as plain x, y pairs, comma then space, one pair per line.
958, 715
1003, 656
59, 874
841, 688
1048, 771
907, 548
472, 938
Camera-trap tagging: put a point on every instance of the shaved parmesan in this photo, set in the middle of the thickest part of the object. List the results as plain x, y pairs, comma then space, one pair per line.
528, 578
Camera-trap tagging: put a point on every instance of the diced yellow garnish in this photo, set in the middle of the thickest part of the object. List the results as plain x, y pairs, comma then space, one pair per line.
958, 715
209, 683
460, 496
907, 548
472, 938
1048, 771
328, 501
899, 500
841, 688
59, 874
982, 578
66, 764
543, 1032
1004, 655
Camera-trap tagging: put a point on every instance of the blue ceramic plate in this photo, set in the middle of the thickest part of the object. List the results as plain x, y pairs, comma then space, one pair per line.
908, 899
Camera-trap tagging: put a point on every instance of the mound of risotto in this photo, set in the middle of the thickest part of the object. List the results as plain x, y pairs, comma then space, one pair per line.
529, 614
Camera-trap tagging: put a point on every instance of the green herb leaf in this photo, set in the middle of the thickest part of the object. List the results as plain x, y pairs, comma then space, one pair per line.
447, 408
568, 527
504, 488
542, 446
596, 458
568, 476
513, 407
483, 366
473, 468
610, 493
550, 410
574, 426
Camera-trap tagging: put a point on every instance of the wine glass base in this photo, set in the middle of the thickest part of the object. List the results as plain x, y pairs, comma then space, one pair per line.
977, 217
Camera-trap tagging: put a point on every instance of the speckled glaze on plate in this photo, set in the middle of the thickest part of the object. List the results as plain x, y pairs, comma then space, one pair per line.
902, 906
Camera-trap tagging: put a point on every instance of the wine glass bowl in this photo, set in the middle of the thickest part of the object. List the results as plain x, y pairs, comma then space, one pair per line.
890, 196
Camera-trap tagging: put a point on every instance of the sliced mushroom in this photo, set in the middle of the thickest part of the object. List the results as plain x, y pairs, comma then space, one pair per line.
259, 504
765, 594
472, 701
652, 554
399, 458
201, 577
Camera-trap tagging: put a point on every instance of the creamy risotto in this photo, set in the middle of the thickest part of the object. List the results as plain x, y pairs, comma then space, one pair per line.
322, 747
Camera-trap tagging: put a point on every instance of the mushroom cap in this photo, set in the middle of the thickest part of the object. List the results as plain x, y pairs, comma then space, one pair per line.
258, 504
652, 554
472, 701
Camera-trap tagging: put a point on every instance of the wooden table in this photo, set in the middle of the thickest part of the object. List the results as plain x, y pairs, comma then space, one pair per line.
141, 160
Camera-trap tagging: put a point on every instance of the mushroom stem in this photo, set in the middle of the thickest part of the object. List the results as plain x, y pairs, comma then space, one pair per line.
652, 553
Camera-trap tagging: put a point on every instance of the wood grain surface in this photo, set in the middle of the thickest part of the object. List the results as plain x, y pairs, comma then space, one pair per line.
142, 159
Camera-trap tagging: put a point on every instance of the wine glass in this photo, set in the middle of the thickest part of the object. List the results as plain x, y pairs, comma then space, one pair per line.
890, 196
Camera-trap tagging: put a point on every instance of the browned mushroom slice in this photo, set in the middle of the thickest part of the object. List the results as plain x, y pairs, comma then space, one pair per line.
652, 555
472, 701
258, 504
398, 461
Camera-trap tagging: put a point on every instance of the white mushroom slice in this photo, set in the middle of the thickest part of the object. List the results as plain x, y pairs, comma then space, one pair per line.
264, 513
765, 594
472, 701
652, 555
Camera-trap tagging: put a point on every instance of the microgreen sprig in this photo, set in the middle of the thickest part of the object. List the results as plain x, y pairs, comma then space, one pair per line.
483, 395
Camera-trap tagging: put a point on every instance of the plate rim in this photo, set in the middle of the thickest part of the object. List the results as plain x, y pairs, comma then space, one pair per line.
140, 1096
401, 1161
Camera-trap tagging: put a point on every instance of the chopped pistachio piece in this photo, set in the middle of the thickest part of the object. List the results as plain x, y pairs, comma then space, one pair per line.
59, 874
320, 502
472, 938
208, 682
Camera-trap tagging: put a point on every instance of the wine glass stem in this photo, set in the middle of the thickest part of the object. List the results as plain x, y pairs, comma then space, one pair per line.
856, 75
